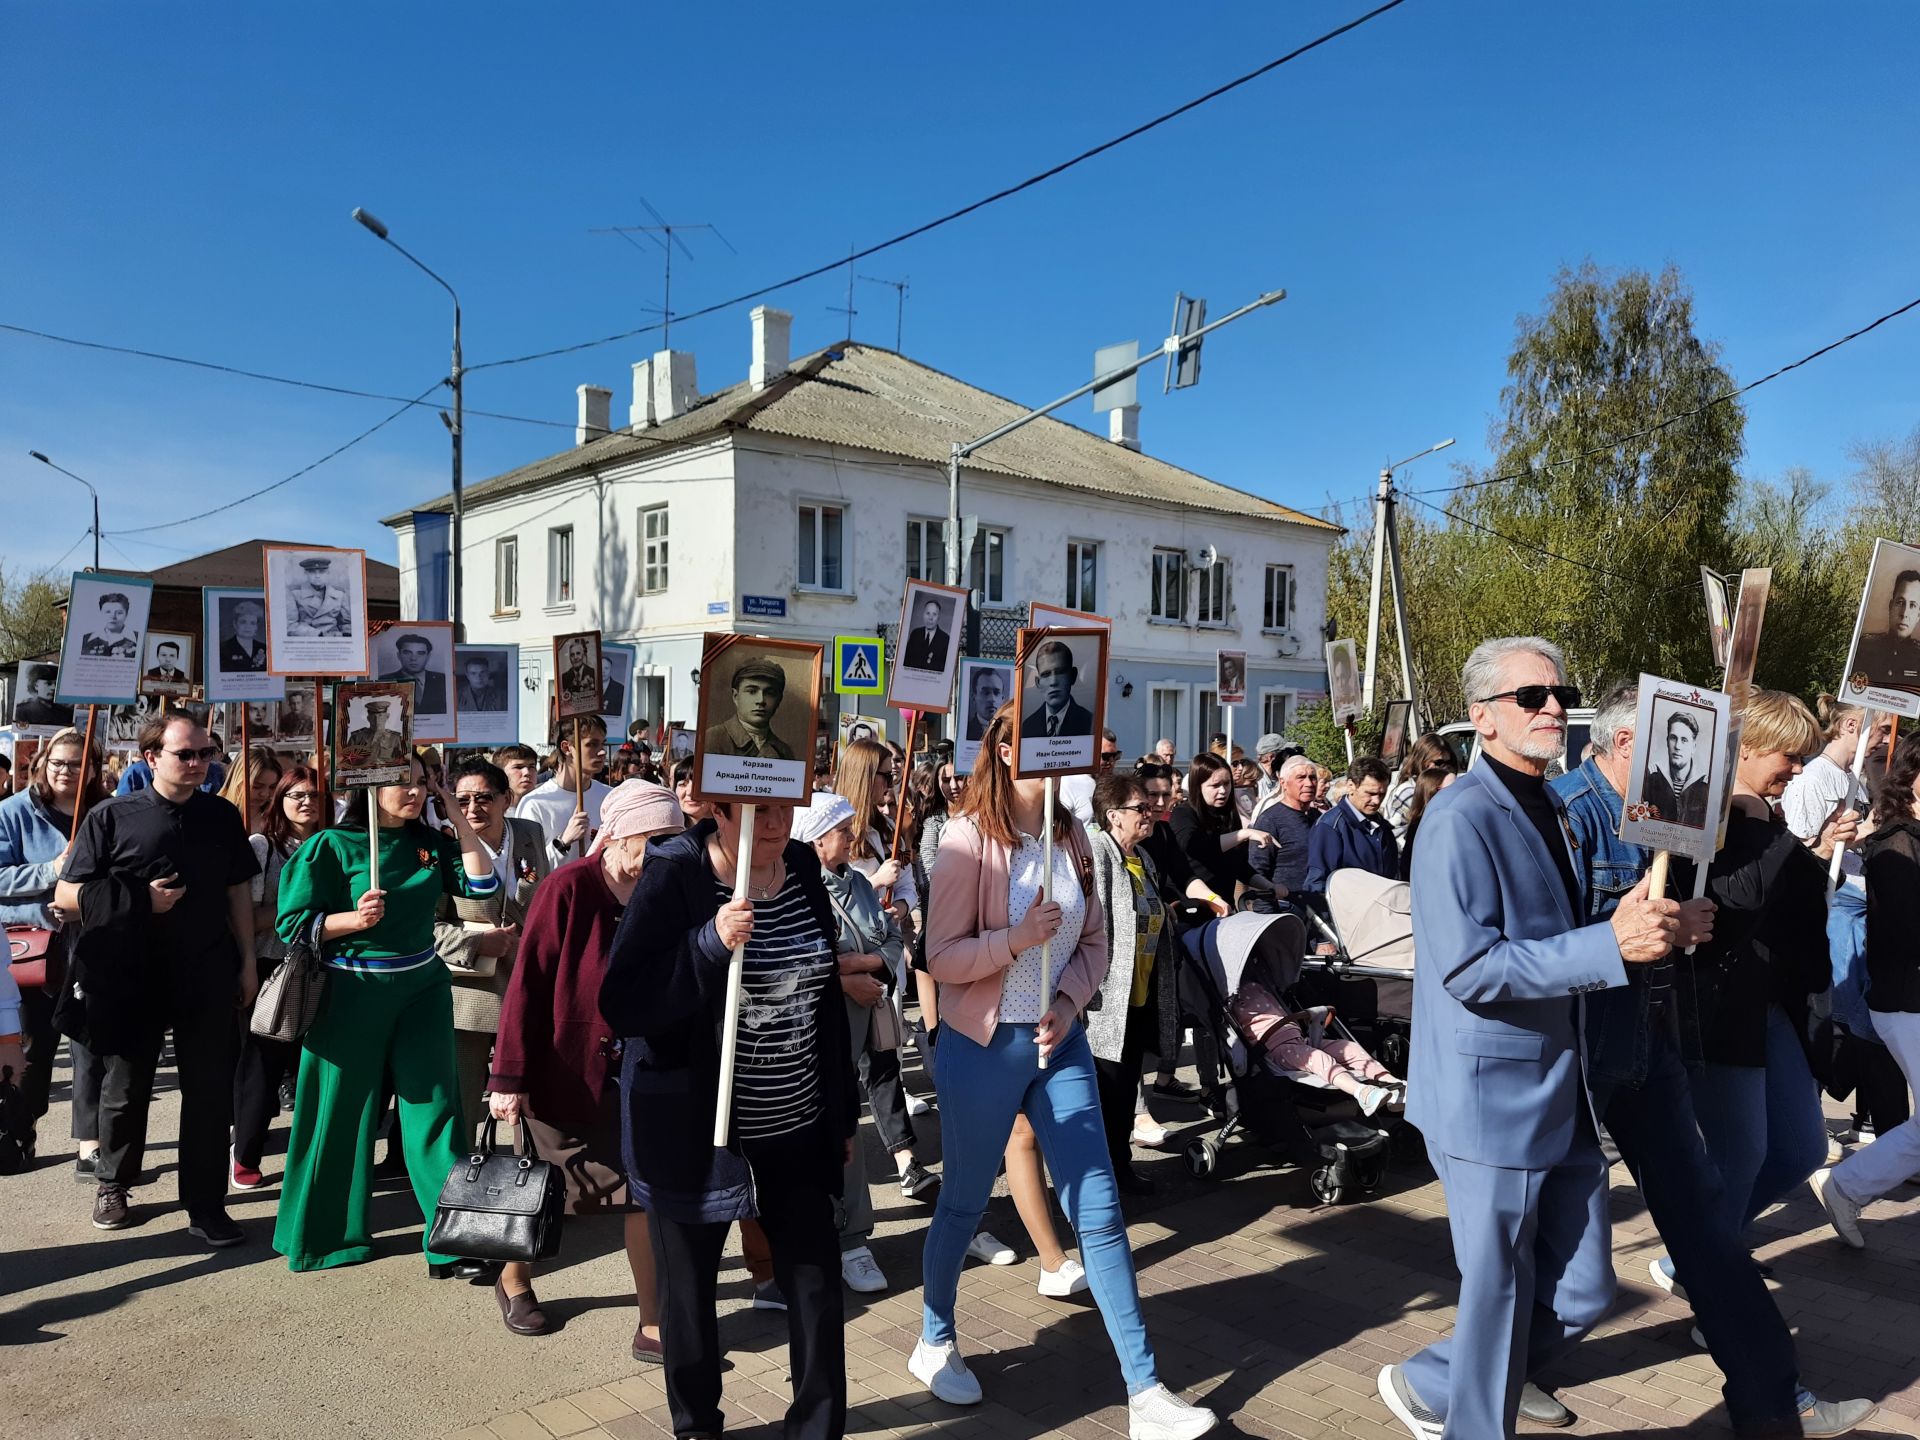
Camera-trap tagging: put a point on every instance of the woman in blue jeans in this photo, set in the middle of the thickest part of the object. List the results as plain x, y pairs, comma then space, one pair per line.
1015, 970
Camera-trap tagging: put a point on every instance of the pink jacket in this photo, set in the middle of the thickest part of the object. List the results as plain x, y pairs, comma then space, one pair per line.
968, 947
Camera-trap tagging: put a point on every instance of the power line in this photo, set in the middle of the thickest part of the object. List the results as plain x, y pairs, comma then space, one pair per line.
1528, 544
1003, 194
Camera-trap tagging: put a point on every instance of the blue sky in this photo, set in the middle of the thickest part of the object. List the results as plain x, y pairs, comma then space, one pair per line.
179, 179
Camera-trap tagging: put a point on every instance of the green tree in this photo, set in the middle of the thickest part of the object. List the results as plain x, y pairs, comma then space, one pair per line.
29, 614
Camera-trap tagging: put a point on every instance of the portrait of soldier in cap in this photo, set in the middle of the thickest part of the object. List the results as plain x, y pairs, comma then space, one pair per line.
758, 685
317, 603
412, 650
379, 741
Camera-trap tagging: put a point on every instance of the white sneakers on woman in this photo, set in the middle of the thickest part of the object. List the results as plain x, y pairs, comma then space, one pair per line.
1069, 1279
988, 1247
1156, 1414
941, 1370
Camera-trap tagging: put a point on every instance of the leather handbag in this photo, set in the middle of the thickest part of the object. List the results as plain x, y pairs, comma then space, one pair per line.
30, 956
500, 1205
290, 997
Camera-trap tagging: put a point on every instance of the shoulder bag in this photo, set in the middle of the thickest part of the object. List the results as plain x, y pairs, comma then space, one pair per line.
500, 1205
32, 957
290, 996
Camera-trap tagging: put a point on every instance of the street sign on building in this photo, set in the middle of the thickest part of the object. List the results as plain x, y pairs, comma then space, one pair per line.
767, 607
857, 665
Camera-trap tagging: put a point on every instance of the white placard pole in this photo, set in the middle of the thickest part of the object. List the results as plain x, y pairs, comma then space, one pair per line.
1348, 732
1657, 875
373, 836
730, 1027
1853, 786
1046, 896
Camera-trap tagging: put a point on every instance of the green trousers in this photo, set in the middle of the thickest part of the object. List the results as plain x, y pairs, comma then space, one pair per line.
370, 1028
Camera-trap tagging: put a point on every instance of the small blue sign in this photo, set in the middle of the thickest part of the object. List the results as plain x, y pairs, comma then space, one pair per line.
768, 607
717, 607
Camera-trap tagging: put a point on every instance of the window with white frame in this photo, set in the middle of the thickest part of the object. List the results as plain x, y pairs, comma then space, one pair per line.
1274, 705
1212, 593
653, 549
986, 569
1276, 609
506, 575
927, 550
1163, 714
1211, 719
822, 546
1083, 575
560, 565
1169, 599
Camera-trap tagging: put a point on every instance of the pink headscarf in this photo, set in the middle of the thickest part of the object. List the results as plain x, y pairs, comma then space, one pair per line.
637, 807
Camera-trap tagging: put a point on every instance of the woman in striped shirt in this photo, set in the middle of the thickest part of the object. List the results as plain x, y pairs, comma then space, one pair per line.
388, 1011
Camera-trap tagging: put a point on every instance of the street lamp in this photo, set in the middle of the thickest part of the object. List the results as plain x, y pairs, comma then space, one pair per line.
90, 490
457, 424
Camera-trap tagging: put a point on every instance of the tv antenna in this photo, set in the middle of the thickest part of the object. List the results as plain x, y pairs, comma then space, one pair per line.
663, 234
847, 309
899, 288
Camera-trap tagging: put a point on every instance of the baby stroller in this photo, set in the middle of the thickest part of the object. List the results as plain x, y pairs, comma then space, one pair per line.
1369, 921
1296, 1116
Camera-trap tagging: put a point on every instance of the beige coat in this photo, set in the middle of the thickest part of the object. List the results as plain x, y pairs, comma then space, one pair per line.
476, 989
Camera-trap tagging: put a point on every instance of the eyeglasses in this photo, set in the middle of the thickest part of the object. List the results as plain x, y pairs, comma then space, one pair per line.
1534, 697
475, 797
303, 797
187, 757
1139, 809
63, 764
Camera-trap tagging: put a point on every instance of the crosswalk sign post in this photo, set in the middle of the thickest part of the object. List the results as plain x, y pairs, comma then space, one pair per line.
858, 666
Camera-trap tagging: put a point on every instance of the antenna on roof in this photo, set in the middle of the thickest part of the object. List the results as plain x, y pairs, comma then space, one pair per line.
661, 233
847, 309
900, 309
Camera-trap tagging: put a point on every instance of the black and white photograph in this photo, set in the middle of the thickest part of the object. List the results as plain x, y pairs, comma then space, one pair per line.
420, 653
235, 639
372, 733
122, 722
759, 711
100, 652
1230, 677
853, 726
985, 685
576, 668
680, 744
1343, 680
167, 666
316, 600
1719, 618
1393, 739
1749, 613
1883, 663
1677, 774
485, 709
1060, 683
294, 721
34, 704
1042, 616
932, 621
617, 663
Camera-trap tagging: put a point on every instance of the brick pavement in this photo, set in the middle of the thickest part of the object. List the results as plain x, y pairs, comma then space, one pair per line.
1278, 1313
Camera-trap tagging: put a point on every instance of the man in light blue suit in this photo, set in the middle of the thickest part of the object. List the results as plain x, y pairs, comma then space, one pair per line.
1496, 1083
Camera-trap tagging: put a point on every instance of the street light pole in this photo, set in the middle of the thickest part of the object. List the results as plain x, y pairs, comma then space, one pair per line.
457, 425
90, 490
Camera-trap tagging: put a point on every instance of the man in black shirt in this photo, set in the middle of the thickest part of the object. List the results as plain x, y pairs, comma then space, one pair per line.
170, 866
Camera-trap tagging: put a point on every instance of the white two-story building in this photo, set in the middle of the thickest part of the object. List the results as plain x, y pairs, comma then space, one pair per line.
797, 502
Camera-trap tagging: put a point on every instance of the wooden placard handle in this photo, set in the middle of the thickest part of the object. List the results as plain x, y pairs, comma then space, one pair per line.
86, 754
730, 1021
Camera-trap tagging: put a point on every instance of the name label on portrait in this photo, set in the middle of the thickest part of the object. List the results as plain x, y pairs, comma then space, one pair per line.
754, 777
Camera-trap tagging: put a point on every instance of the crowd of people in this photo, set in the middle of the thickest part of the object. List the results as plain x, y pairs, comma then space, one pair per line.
547, 941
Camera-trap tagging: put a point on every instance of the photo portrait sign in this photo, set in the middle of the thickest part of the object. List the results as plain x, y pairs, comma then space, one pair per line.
932, 621
483, 694
100, 652
420, 653
1743, 648
316, 600
36, 706
1393, 739
617, 663
1883, 663
166, 667
1042, 616
1230, 677
1678, 777
1060, 696
576, 669
985, 685
372, 733
234, 640
1719, 618
759, 714
851, 727
1343, 680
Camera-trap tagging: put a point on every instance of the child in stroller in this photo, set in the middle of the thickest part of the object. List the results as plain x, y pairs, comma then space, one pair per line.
1302, 1041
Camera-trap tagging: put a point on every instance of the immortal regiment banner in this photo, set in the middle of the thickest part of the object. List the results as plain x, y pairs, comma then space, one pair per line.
1343, 680
1719, 622
1883, 663
576, 668
984, 688
1678, 782
420, 653
1230, 677
316, 599
372, 733
234, 641
929, 649
100, 652
759, 713
167, 667
617, 664
484, 709
1060, 692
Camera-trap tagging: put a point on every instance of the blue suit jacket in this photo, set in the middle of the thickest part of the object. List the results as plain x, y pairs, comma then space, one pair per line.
1501, 966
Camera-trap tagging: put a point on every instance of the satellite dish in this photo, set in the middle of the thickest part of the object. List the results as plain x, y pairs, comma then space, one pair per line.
1206, 558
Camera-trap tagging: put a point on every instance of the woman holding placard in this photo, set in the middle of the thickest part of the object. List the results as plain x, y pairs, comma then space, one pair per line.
1015, 969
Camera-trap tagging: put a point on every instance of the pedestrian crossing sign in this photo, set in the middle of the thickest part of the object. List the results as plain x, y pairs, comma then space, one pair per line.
857, 666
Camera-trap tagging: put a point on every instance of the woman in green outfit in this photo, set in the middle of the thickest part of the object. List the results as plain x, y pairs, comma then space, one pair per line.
388, 1012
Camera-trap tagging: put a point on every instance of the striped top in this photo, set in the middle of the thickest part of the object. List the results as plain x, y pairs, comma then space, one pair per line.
329, 873
787, 965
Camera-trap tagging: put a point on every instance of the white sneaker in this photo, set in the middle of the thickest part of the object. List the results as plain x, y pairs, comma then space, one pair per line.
1405, 1406
1836, 1152
941, 1370
1069, 1279
1842, 1213
916, 1106
1159, 1414
1372, 1097
988, 1247
1148, 1133
861, 1271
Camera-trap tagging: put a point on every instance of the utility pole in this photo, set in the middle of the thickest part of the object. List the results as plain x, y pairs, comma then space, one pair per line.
1386, 565
90, 490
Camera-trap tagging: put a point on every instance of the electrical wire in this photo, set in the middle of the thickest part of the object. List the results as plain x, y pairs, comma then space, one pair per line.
54, 568
1528, 544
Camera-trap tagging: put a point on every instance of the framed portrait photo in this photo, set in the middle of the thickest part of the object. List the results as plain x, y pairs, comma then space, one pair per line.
36, 706
372, 733
985, 685
1059, 694
1719, 616
1042, 616
759, 714
166, 665
1677, 781
420, 653
932, 621
1743, 645
1883, 662
295, 723
1343, 680
316, 599
483, 694
1230, 677
100, 651
234, 641
617, 664
576, 669
852, 726
1393, 740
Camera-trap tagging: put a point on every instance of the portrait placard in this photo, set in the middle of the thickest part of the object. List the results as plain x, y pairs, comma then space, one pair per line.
1677, 780
1393, 739
166, 667
100, 652
294, 723
420, 653
483, 694
931, 621
759, 714
984, 688
316, 598
1042, 616
1343, 680
1060, 695
1883, 662
576, 666
680, 744
1743, 647
1719, 618
616, 686
234, 641
1230, 677
851, 727
36, 687
372, 733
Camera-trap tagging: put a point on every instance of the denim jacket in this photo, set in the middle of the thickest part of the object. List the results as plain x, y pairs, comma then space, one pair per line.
31, 839
1618, 1036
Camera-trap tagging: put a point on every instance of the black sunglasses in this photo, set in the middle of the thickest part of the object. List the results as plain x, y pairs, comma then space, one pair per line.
1534, 697
187, 757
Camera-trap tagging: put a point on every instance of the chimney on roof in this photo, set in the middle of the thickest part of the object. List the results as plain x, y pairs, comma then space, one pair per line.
772, 339
596, 407
674, 387
1123, 426
640, 413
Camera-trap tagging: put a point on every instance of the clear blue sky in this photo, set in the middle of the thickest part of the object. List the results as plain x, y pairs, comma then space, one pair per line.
179, 178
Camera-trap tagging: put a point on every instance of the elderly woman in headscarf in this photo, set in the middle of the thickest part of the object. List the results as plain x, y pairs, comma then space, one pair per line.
553, 1063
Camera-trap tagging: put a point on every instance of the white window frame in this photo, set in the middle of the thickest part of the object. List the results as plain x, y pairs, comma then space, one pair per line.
1205, 699
1205, 598
819, 506
1181, 694
930, 561
1283, 574
1082, 594
506, 575
654, 562
561, 562
1179, 558
1288, 704
927, 560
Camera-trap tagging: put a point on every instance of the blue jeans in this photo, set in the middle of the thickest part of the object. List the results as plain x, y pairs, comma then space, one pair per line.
1763, 1125
982, 1087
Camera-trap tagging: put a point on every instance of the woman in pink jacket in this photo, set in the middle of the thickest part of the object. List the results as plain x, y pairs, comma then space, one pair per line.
1015, 971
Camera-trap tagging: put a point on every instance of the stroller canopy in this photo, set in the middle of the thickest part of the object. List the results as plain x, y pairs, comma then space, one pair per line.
1374, 917
1228, 947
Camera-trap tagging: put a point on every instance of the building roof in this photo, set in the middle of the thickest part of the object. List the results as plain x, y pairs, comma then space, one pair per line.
867, 398
240, 565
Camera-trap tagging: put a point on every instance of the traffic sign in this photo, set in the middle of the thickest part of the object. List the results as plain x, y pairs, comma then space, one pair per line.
857, 666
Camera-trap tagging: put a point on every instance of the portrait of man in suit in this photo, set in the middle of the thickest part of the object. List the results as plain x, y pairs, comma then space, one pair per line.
1676, 783
579, 680
166, 664
113, 637
429, 686
928, 641
243, 650
757, 687
613, 695
986, 693
1058, 713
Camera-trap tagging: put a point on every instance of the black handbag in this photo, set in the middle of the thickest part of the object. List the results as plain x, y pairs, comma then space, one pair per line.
500, 1205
